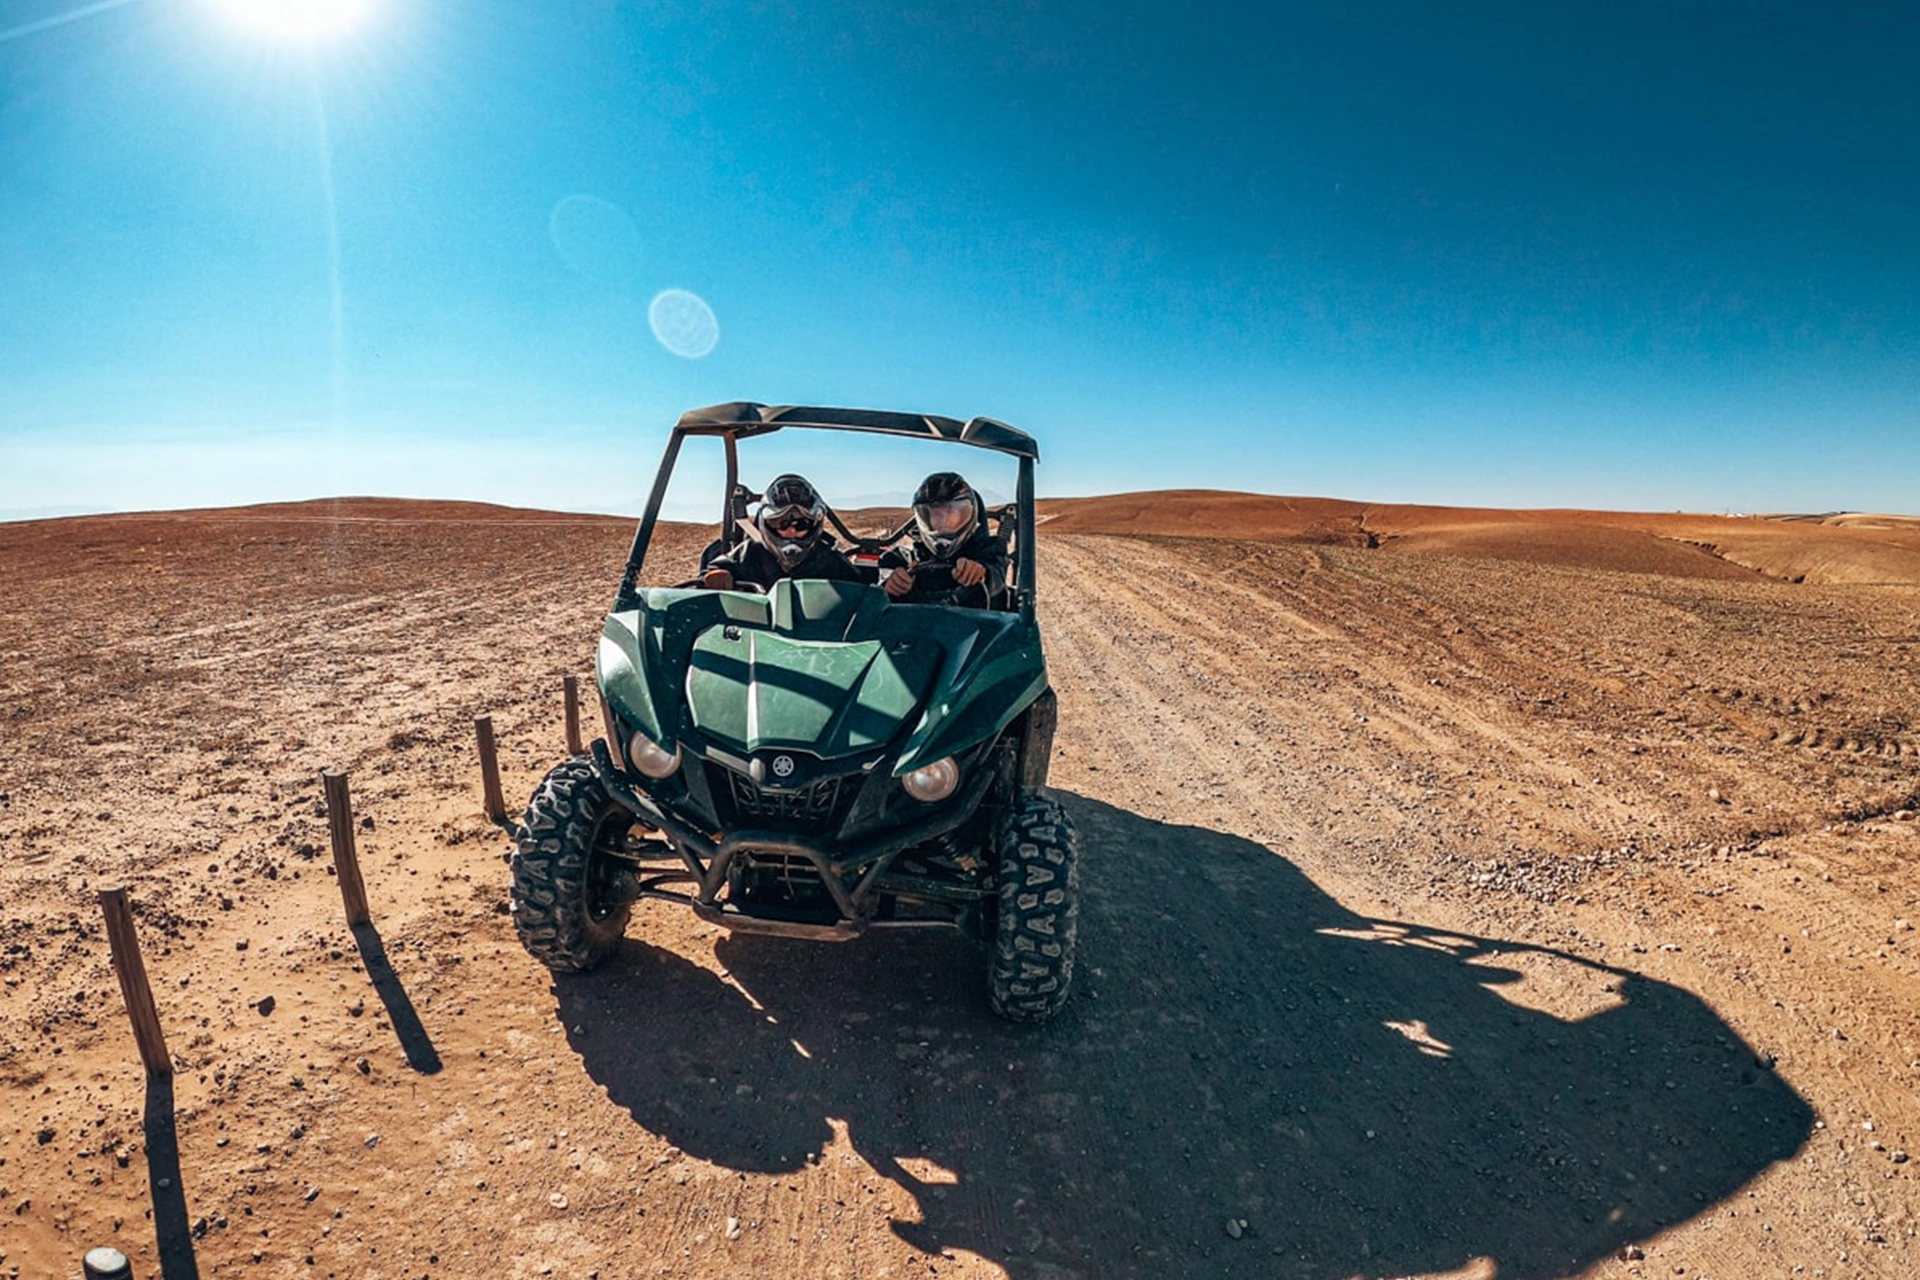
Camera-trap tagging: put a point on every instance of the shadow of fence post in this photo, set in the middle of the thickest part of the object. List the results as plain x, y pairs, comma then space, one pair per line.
172, 1231
414, 1041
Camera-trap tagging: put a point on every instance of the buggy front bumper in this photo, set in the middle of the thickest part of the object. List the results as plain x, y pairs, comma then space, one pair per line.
849, 870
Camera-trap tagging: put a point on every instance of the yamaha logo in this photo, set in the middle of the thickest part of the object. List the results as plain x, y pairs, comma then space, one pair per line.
783, 766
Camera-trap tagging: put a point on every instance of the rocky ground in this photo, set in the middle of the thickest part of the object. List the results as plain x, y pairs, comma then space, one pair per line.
1443, 916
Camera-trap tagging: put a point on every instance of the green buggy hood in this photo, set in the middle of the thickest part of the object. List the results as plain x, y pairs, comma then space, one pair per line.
829, 668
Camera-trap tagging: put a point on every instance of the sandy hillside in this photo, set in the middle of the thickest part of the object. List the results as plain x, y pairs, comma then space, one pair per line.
1466, 894
1840, 548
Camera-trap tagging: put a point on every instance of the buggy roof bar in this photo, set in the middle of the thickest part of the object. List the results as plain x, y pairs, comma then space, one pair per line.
743, 418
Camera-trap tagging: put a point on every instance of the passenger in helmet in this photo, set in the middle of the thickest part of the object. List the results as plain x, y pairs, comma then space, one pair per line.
953, 555
786, 538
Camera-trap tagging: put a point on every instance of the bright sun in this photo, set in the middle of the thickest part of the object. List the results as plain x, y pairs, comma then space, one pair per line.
297, 19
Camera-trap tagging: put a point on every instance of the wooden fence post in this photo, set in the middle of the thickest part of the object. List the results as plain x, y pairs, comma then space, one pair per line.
574, 745
490, 771
124, 946
346, 863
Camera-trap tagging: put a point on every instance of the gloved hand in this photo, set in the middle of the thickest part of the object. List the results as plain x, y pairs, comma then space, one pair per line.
897, 583
969, 573
717, 579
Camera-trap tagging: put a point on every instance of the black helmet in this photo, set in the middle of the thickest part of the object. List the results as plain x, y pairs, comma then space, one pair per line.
946, 511
790, 519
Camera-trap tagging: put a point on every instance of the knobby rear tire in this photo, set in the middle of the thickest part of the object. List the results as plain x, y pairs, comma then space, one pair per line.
559, 870
1031, 969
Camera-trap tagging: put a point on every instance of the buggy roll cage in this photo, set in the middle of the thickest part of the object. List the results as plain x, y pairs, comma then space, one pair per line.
741, 420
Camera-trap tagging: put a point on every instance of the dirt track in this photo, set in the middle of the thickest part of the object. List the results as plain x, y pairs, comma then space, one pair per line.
1442, 917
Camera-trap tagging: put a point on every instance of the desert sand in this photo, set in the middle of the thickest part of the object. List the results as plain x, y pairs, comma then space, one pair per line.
1466, 894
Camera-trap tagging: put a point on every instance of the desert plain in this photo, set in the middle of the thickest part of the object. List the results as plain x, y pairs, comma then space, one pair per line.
1464, 894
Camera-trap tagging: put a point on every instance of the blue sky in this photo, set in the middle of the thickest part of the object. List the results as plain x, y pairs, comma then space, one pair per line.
1631, 256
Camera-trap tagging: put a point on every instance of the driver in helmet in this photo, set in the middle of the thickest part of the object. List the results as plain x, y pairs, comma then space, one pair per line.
952, 555
787, 538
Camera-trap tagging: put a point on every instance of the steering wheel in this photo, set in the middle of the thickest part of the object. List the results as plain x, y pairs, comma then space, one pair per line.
933, 584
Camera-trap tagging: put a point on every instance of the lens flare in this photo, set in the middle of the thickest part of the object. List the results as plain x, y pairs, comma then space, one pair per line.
684, 324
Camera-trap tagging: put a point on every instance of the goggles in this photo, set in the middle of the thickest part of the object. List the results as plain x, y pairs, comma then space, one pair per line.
794, 516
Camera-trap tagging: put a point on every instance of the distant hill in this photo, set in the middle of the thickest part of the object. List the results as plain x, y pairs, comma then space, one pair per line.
356, 508
1845, 547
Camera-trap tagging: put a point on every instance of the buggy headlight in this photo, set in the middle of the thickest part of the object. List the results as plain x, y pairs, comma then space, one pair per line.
932, 782
650, 758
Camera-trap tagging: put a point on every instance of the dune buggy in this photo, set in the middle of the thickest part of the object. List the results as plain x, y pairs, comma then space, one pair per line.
819, 760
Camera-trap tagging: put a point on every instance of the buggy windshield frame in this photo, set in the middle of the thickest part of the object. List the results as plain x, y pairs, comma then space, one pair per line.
740, 420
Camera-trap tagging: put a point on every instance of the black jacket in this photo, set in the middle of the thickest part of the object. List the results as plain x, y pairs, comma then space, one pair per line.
750, 561
986, 549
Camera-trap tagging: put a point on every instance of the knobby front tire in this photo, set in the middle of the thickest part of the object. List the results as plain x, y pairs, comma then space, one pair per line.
561, 871
1031, 969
